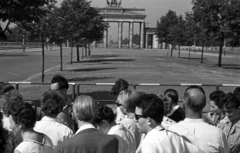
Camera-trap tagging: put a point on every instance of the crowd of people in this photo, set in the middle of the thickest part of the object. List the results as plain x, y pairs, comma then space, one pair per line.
141, 122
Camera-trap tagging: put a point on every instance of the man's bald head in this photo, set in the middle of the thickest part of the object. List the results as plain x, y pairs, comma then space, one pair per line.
195, 98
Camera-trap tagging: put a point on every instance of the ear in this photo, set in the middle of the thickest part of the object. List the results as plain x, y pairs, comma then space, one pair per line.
149, 121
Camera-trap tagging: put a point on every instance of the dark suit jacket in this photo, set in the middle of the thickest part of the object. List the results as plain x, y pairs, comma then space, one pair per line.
178, 115
89, 141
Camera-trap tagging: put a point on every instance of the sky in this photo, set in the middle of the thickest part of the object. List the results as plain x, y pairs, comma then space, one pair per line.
154, 9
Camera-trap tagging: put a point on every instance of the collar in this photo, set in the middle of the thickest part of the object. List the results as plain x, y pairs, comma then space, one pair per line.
189, 120
47, 118
173, 110
84, 127
159, 128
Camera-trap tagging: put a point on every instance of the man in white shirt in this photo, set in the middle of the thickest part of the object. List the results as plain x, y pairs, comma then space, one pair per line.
149, 115
52, 104
206, 137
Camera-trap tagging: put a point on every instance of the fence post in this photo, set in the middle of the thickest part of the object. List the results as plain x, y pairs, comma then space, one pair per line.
217, 87
73, 91
78, 90
135, 86
17, 86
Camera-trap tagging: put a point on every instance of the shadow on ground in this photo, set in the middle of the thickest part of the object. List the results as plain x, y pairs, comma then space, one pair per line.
12, 55
88, 79
229, 66
89, 69
195, 58
105, 60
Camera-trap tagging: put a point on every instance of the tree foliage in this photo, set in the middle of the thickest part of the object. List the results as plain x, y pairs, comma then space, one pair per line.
17, 11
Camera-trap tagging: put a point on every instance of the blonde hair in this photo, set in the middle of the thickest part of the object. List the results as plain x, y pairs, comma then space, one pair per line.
129, 99
84, 108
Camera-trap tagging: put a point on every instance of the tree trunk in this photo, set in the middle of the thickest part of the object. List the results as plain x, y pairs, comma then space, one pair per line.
171, 51
82, 52
189, 50
24, 43
202, 52
61, 64
78, 53
85, 45
178, 51
89, 50
43, 57
71, 51
220, 53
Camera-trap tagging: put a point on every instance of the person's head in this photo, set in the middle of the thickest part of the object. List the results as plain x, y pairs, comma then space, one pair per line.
167, 104
60, 84
84, 109
21, 116
149, 112
231, 107
5, 87
126, 100
172, 95
237, 93
12, 95
119, 86
216, 104
52, 103
194, 99
104, 118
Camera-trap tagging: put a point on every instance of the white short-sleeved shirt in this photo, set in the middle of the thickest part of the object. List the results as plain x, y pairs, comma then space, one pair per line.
31, 146
127, 143
159, 140
206, 137
131, 125
55, 130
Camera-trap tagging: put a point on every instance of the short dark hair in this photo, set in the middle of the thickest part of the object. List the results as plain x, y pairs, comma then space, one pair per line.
52, 103
152, 106
11, 96
230, 101
104, 113
193, 103
173, 94
22, 113
5, 87
62, 82
216, 96
237, 93
119, 86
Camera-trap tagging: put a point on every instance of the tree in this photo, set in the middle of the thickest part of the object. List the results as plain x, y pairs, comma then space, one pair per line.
164, 25
177, 34
136, 39
21, 11
212, 16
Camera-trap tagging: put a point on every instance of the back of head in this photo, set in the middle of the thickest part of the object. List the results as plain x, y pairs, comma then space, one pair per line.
11, 96
230, 101
52, 103
23, 114
129, 98
216, 96
84, 108
62, 82
195, 99
104, 113
152, 106
237, 93
119, 85
173, 94
5, 87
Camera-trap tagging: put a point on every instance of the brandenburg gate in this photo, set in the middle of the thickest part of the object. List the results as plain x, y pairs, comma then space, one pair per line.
114, 13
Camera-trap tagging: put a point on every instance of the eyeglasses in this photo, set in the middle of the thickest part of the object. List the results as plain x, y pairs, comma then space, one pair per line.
119, 104
137, 117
